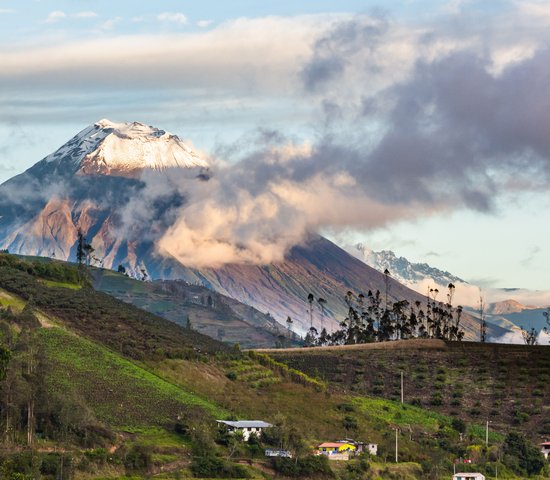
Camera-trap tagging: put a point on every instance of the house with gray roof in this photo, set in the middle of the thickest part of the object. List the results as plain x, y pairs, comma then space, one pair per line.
247, 427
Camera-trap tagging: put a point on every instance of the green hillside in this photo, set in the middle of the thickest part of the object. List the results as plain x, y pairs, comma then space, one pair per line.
93, 388
208, 312
119, 392
505, 384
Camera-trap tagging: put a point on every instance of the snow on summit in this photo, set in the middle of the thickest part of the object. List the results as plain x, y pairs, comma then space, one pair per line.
117, 148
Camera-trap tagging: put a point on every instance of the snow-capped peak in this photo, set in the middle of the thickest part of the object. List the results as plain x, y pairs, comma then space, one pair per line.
400, 268
107, 148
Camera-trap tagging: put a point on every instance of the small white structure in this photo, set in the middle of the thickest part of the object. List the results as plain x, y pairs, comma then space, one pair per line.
545, 449
370, 448
247, 427
468, 476
278, 453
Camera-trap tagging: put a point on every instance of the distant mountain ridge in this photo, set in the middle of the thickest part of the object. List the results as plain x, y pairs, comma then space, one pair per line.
402, 269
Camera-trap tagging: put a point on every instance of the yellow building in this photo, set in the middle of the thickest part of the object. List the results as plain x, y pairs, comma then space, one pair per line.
332, 448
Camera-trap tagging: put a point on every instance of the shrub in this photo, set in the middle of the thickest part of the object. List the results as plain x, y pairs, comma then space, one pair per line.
436, 399
345, 407
458, 424
350, 422
521, 417
303, 467
210, 466
138, 458
521, 455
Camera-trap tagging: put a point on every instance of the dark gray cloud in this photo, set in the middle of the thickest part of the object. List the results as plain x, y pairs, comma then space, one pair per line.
454, 134
333, 52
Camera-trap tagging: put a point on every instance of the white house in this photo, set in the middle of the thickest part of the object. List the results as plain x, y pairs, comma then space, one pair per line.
545, 449
468, 476
370, 448
247, 427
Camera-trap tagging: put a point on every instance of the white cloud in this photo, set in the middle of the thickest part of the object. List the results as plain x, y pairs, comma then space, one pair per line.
110, 24
237, 55
6, 10
55, 16
87, 14
535, 9
173, 17
204, 23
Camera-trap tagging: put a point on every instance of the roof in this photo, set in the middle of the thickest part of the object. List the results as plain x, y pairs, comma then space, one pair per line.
246, 423
545, 444
333, 444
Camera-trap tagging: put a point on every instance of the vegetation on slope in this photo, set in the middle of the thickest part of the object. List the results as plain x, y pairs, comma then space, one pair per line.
119, 392
100, 317
207, 312
505, 384
89, 399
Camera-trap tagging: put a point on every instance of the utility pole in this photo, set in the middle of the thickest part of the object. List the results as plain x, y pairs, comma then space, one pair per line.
396, 445
401, 388
487, 433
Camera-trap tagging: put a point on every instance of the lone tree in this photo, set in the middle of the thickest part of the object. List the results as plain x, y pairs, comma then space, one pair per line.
83, 249
289, 323
546, 315
81, 241
310, 299
482, 322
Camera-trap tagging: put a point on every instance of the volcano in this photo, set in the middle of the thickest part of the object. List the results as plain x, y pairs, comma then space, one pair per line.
93, 184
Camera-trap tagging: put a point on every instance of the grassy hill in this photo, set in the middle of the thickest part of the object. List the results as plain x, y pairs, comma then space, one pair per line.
209, 312
505, 384
110, 391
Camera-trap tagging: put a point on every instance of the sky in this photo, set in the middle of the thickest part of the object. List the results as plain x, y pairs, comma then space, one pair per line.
416, 126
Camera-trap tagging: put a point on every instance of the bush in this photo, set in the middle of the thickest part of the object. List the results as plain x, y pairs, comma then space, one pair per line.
210, 466
356, 469
522, 456
138, 458
345, 407
436, 399
350, 422
303, 467
459, 425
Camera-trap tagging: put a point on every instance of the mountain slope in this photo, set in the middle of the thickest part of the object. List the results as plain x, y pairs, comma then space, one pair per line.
318, 267
208, 312
123, 186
